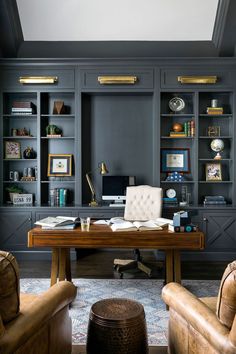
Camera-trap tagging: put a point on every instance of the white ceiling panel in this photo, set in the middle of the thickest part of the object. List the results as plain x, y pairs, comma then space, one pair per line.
109, 20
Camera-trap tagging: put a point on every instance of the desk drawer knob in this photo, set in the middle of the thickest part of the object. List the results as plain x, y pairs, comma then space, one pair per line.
204, 219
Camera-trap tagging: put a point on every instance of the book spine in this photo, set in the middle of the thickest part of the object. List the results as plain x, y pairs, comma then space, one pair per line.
63, 196
57, 196
189, 129
192, 125
214, 202
186, 128
52, 196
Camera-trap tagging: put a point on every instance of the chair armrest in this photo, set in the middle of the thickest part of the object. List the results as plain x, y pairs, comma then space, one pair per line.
36, 315
198, 315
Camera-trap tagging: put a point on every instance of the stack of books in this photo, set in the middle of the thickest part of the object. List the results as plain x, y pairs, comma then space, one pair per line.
58, 196
167, 202
23, 107
189, 130
214, 200
215, 110
177, 134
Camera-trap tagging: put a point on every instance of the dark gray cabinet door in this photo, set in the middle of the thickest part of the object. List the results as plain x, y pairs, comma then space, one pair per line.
14, 229
220, 230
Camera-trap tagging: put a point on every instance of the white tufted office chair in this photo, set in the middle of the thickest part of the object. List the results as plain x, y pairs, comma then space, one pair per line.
142, 203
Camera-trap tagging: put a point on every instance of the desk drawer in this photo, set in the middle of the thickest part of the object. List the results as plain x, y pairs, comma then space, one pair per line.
89, 79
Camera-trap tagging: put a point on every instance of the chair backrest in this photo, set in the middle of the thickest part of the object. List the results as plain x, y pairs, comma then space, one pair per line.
143, 203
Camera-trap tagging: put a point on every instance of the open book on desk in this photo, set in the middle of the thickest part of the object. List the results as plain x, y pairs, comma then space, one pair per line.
57, 221
135, 225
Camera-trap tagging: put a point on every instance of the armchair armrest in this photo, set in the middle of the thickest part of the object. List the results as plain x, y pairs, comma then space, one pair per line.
36, 314
198, 315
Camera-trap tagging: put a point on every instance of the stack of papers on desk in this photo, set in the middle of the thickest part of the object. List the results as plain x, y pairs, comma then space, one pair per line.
58, 223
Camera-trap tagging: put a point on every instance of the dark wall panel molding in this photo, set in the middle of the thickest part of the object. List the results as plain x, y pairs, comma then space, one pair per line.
10, 28
224, 34
111, 49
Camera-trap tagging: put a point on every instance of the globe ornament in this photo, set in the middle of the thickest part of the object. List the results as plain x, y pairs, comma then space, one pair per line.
177, 127
217, 145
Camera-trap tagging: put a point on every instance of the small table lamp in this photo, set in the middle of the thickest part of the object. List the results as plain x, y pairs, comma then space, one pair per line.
103, 171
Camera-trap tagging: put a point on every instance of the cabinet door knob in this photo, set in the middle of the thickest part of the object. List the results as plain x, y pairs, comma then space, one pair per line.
29, 219
204, 219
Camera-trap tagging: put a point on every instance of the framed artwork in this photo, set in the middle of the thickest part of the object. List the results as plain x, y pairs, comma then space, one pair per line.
59, 165
213, 130
213, 172
12, 150
175, 160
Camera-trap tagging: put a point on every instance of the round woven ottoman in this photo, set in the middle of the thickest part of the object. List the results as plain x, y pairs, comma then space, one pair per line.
117, 326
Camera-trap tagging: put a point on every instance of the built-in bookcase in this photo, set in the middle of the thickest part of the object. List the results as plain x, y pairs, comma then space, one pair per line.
199, 143
35, 125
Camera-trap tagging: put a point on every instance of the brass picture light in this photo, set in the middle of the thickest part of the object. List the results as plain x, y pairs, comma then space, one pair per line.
103, 171
38, 79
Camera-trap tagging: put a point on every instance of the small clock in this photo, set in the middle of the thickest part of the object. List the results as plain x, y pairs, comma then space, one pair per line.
171, 193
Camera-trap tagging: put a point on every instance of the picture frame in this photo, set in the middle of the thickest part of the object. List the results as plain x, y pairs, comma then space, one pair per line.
213, 130
59, 165
175, 160
213, 171
12, 150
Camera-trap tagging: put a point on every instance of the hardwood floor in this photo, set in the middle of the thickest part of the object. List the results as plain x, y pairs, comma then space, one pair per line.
99, 264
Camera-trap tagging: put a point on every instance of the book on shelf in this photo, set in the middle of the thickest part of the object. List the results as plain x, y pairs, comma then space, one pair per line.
23, 104
135, 226
57, 221
178, 134
214, 202
214, 198
58, 196
215, 110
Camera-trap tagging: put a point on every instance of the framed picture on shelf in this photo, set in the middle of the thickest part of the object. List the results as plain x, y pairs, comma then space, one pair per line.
12, 150
213, 172
59, 165
175, 160
213, 130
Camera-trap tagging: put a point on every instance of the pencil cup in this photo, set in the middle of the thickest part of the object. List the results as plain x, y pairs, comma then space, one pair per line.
85, 224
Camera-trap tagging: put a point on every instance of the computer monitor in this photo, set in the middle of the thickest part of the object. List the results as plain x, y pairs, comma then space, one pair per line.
114, 188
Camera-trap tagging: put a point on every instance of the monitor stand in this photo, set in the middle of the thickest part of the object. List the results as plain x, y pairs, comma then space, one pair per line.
117, 203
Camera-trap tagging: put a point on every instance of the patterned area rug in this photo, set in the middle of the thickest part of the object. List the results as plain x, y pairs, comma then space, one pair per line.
146, 291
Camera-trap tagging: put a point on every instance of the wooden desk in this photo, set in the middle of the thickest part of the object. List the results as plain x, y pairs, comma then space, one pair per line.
101, 236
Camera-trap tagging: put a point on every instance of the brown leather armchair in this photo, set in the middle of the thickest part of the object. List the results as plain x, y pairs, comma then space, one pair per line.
202, 325
30, 323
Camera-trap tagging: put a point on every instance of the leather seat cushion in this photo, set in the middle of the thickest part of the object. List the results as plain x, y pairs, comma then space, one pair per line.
226, 302
9, 287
